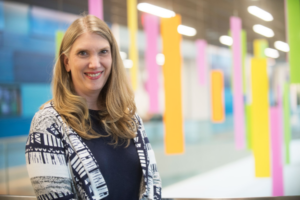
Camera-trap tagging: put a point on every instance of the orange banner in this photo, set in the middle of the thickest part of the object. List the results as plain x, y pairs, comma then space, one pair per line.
173, 120
217, 96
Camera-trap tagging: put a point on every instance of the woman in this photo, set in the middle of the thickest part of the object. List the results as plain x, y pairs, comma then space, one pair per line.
87, 142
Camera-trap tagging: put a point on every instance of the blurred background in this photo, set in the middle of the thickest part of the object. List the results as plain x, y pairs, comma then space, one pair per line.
219, 90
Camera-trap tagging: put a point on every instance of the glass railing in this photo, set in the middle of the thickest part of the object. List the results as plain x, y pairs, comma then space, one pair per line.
14, 197
212, 145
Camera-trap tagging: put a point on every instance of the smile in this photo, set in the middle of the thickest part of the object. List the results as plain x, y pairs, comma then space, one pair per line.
93, 75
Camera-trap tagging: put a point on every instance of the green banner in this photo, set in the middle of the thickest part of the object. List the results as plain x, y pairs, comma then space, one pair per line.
293, 26
248, 126
58, 39
286, 122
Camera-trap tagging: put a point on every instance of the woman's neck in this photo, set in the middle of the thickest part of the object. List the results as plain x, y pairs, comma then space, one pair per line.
91, 100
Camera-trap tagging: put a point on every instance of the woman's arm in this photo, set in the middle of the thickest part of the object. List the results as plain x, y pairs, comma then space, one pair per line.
46, 159
152, 167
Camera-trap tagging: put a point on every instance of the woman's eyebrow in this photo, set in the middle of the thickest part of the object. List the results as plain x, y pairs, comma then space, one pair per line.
86, 49
81, 49
105, 47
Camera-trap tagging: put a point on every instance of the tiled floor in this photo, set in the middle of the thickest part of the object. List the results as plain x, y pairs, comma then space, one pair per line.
237, 180
18, 184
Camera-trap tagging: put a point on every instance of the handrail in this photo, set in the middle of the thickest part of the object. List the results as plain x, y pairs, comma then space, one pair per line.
16, 197
15, 139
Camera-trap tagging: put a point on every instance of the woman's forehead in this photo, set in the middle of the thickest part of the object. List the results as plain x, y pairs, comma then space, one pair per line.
88, 40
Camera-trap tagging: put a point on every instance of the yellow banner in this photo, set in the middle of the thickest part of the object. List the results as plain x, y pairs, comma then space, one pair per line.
173, 120
260, 117
133, 51
217, 96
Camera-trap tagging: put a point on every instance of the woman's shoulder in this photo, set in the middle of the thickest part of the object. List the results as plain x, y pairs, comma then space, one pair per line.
45, 118
47, 110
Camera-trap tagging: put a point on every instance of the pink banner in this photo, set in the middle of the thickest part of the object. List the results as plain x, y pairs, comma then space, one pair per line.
96, 8
276, 141
238, 100
152, 31
201, 61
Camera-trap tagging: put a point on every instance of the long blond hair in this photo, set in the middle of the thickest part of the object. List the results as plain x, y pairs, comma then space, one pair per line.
116, 98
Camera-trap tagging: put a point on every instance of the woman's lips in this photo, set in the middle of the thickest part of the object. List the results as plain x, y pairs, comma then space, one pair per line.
93, 75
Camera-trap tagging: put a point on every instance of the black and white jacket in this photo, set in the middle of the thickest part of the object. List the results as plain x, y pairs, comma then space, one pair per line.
61, 166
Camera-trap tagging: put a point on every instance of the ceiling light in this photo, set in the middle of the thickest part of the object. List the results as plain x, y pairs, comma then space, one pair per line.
160, 59
272, 53
227, 40
265, 31
282, 46
128, 63
155, 10
123, 55
260, 13
186, 30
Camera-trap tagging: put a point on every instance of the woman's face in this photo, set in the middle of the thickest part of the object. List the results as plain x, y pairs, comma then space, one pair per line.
90, 63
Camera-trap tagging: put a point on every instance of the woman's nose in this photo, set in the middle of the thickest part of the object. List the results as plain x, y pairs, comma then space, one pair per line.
94, 61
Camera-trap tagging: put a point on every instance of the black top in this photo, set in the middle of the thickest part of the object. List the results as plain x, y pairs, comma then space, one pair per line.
119, 166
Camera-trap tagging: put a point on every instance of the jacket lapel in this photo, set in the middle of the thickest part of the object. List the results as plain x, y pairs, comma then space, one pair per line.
85, 169
142, 153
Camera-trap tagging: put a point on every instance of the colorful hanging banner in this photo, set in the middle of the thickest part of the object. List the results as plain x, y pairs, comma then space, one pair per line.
293, 32
244, 54
59, 35
276, 146
277, 170
260, 129
133, 51
217, 96
259, 48
201, 61
152, 85
249, 141
286, 122
96, 8
238, 99
247, 105
173, 119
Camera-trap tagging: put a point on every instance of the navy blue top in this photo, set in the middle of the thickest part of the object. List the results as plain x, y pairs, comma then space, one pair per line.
119, 166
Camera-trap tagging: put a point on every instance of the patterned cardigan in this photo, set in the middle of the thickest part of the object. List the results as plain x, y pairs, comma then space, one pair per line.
61, 166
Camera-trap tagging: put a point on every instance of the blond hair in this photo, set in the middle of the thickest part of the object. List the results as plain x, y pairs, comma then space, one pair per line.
116, 98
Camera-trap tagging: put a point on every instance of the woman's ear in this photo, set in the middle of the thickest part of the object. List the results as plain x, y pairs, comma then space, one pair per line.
66, 63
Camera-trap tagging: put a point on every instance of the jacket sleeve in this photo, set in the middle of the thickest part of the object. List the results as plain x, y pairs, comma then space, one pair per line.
154, 181
46, 159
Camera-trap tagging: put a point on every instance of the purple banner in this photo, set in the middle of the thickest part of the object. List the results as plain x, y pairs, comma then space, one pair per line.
96, 8
152, 31
201, 61
276, 147
238, 100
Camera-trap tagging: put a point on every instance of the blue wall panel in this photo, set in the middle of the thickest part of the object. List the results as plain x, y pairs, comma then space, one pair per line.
228, 101
11, 127
19, 42
31, 67
46, 28
1, 16
16, 17
33, 96
6, 66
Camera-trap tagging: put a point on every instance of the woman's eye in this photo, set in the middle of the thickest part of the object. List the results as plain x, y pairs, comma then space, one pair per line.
82, 53
104, 51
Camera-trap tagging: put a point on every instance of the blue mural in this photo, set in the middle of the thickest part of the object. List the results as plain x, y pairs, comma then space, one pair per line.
27, 56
